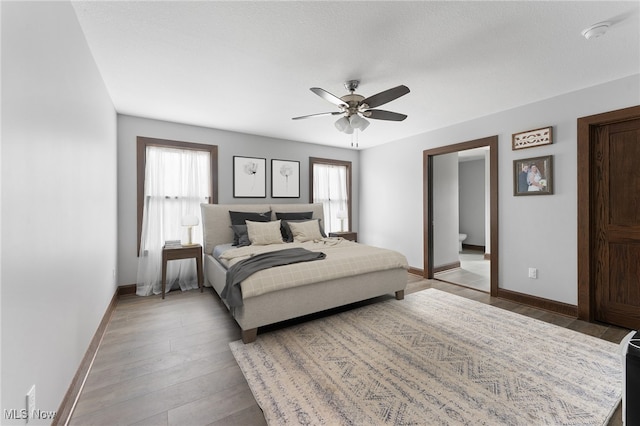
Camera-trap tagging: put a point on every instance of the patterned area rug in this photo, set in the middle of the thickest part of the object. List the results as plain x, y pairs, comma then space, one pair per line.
431, 359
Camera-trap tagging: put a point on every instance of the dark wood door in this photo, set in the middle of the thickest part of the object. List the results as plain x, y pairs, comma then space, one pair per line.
615, 211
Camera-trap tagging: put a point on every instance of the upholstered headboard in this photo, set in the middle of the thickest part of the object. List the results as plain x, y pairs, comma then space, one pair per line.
216, 223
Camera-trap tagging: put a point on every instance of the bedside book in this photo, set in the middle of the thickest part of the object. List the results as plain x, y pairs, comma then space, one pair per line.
173, 244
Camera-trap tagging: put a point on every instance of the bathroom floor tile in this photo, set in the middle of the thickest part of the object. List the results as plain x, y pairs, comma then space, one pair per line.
474, 272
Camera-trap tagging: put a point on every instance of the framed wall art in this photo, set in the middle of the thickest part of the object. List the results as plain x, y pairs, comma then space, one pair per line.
249, 177
533, 176
285, 179
531, 138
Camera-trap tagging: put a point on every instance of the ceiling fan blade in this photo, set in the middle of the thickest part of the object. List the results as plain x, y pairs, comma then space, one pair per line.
328, 96
318, 115
386, 96
379, 114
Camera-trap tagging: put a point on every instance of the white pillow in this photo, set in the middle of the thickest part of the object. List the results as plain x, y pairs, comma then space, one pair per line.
263, 233
305, 231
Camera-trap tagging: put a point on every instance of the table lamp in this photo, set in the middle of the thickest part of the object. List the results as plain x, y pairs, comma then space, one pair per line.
190, 222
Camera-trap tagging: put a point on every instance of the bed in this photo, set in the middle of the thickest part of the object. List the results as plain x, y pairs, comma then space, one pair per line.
351, 272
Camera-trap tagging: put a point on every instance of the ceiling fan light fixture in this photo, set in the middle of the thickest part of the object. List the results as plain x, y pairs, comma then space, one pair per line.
343, 125
359, 122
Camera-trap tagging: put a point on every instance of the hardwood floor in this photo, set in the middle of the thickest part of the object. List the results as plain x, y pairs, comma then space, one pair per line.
168, 362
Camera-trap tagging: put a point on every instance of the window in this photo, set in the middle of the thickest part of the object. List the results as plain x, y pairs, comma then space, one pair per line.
174, 178
330, 184
145, 143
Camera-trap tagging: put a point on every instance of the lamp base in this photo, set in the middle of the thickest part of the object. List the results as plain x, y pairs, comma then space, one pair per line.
190, 234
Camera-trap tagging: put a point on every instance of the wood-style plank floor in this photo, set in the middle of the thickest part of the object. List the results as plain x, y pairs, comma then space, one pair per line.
168, 362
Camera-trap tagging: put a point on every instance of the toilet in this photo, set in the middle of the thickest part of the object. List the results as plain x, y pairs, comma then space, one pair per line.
461, 238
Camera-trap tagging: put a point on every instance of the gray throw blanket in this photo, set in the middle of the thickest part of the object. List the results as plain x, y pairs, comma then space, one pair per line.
243, 269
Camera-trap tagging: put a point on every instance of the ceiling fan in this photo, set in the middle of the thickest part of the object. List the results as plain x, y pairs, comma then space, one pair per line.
356, 108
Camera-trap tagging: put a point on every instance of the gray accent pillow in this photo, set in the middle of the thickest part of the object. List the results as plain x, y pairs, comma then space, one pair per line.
240, 235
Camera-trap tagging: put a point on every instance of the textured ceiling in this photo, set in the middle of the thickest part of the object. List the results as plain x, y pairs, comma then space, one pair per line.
248, 66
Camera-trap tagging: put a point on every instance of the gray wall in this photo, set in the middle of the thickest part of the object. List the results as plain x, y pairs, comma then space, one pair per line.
472, 201
534, 231
58, 202
229, 144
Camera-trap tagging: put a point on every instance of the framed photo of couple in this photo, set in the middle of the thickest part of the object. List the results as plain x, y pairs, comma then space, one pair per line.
533, 176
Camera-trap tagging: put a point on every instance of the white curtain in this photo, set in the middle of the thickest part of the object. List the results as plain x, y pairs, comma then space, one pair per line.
330, 189
176, 182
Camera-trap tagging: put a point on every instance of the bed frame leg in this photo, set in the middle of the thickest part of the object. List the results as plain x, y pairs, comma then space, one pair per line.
399, 294
249, 336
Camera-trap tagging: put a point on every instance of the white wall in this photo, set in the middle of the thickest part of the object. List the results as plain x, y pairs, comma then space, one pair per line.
445, 209
534, 231
58, 202
472, 201
229, 144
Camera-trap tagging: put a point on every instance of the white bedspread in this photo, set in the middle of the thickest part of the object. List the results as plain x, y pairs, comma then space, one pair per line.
344, 258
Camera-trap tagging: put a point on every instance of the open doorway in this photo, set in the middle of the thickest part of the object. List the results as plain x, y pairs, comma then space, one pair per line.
437, 221
468, 263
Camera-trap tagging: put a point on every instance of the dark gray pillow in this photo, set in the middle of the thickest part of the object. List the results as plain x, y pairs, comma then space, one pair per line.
294, 215
238, 218
240, 235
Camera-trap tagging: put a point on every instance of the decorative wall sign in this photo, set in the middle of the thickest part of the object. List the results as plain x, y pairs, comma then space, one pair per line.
249, 177
532, 138
533, 176
285, 179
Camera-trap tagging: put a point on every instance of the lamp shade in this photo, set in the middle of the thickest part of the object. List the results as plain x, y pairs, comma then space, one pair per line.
190, 220
343, 125
358, 122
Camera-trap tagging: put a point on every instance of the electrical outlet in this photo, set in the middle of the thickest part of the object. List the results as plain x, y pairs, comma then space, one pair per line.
533, 273
31, 402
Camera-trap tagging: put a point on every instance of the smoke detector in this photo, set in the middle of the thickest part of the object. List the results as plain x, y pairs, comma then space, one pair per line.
596, 30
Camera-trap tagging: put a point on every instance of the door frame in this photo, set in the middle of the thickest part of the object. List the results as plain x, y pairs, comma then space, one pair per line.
427, 210
586, 135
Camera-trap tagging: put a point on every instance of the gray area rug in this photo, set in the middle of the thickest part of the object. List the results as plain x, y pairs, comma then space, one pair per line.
431, 359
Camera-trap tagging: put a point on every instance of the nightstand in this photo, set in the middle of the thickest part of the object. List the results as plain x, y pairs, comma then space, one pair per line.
184, 252
347, 235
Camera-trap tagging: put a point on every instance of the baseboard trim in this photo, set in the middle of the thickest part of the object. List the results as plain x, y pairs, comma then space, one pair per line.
539, 302
127, 289
446, 267
514, 296
473, 247
416, 271
68, 404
